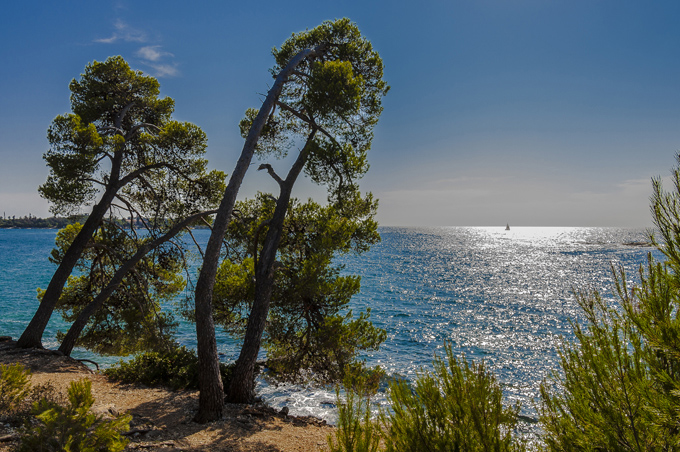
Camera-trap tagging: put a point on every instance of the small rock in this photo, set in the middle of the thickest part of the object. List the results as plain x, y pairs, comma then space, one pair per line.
285, 411
107, 411
252, 411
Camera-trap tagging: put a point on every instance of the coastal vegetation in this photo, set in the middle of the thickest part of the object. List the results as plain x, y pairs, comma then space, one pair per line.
131, 319
14, 387
144, 174
617, 390
72, 426
176, 368
50, 422
34, 222
458, 406
620, 382
121, 152
310, 333
270, 277
326, 100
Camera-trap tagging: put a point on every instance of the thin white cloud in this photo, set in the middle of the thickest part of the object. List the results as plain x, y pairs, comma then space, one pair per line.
152, 53
123, 32
164, 70
156, 59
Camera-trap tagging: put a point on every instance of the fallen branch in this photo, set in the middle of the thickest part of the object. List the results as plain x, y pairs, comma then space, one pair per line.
89, 361
8, 438
137, 430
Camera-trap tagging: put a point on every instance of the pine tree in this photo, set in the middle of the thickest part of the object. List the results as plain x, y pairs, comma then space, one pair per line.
620, 387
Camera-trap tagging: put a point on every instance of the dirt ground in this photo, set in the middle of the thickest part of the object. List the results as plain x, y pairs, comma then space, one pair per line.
162, 417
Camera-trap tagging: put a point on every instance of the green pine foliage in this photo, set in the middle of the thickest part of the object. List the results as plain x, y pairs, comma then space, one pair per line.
310, 332
600, 402
14, 387
121, 152
72, 427
120, 122
357, 431
176, 369
456, 407
620, 386
17, 395
132, 319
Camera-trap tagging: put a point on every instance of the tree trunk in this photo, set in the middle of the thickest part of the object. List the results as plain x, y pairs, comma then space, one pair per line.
211, 398
242, 386
32, 335
77, 327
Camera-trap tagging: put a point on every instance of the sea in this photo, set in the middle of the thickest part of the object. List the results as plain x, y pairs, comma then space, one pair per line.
504, 297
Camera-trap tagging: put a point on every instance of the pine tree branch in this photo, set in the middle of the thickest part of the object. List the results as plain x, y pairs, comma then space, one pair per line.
271, 172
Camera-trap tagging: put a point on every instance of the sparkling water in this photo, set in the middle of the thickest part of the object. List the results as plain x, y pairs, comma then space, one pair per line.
505, 297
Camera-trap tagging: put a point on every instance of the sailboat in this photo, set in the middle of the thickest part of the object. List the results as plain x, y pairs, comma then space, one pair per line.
507, 226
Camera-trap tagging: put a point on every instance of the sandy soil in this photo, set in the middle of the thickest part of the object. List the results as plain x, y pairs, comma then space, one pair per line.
162, 417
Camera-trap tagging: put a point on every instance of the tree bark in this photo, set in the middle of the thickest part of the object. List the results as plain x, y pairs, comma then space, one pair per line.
77, 327
32, 335
242, 386
211, 398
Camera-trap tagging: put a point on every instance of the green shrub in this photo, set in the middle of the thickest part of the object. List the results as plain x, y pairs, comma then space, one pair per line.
17, 395
619, 388
176, 369
620, 385
600, 401
73, 427
456, 407
356, 431
14, 387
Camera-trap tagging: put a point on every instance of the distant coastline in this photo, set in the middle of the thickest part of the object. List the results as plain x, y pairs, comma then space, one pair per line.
31, 222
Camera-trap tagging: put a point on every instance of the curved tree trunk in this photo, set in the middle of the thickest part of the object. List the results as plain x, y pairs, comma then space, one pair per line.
211, 397
77, 327
32, 335
242, 386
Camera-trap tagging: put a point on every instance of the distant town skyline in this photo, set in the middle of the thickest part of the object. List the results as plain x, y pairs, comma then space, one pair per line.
526, 112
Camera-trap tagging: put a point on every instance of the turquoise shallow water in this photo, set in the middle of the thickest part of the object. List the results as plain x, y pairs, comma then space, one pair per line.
501, 296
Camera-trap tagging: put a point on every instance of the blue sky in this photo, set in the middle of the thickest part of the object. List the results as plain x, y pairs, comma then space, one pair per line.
532, 112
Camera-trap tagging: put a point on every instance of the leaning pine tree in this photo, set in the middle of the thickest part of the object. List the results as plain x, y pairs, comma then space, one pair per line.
330, 107
327, 95
121, 152
309, 330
